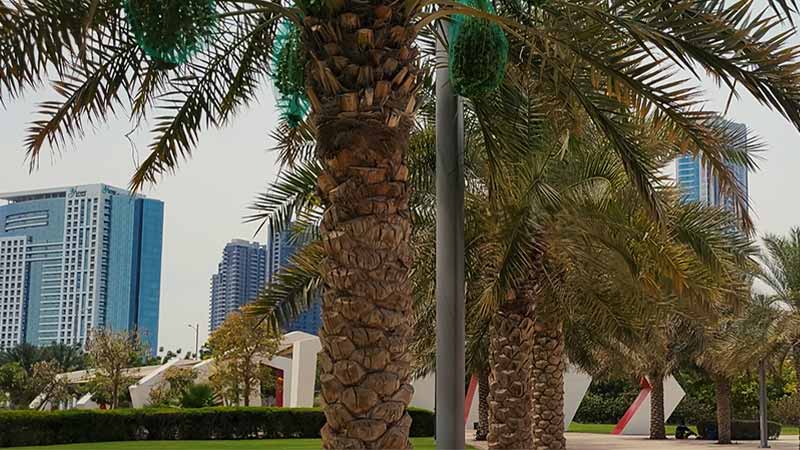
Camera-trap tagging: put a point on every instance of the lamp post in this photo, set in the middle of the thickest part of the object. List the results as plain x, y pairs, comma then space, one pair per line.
196, 328
762, 403
450, 320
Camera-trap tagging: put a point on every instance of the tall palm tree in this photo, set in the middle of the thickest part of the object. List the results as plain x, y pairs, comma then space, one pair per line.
361, 80
739, 340
782, 273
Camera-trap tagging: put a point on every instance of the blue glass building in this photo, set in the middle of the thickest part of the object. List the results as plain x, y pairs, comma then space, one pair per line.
698, 184
281, 248
240, 276
77, 258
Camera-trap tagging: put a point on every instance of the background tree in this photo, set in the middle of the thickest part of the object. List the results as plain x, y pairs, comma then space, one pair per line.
47, 387
67, 357
240, 346
13, 382
782, 273
110, 355
739, 341
171, 390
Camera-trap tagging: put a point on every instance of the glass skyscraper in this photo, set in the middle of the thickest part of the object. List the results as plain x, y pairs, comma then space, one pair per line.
281, 249
240, 277
698, 184
77, 258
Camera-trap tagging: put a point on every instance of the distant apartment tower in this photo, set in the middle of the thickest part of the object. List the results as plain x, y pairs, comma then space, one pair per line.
281, 249
240, 277
698, 184
77, 258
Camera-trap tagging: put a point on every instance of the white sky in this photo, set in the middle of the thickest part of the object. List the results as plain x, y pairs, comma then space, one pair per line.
204, 201
207, 198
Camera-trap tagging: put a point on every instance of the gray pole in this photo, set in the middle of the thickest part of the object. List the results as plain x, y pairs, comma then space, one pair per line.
762, 403
449, 259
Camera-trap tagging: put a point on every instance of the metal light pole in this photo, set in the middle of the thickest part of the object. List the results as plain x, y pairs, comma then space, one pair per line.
449, 257
762, 403
196, 328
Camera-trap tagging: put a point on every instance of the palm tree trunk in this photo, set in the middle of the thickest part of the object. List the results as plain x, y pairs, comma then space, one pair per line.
483, 405
724, 411
548, 386
657, 427
362, 83
510, 352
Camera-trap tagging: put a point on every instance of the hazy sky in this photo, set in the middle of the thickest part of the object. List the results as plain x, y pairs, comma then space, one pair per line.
207, 198
204, 201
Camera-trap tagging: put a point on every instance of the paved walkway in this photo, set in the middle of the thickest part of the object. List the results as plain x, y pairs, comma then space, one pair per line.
588, 441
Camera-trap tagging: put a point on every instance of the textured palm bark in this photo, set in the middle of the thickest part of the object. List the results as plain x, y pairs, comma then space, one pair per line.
482, 431
509, 383
724, 411
548, 386
362, 82
658, 429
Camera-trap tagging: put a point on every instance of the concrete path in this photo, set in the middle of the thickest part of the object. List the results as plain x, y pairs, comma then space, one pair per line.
588, 441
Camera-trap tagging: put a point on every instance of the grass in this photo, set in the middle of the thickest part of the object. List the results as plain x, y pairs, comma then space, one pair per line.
600, 428
267, 444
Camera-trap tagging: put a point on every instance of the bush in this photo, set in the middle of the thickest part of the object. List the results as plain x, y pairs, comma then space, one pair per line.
786, 410
599, 408
18, 428
741, 430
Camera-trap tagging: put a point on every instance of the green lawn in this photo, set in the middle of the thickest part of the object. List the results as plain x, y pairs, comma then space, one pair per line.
267, 444
599, 428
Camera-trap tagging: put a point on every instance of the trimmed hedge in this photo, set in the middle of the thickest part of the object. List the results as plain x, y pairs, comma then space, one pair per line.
741, 430
18, 428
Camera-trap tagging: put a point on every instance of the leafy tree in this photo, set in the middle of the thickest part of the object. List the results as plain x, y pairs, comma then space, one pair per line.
782, 273
46, 386
110, 355
13, 383
176, 382
240, 346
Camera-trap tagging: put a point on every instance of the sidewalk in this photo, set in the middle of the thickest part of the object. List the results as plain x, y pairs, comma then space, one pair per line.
588, 441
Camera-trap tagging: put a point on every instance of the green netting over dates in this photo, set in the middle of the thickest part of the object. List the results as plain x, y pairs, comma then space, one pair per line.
478, 52
170, 31
288, 73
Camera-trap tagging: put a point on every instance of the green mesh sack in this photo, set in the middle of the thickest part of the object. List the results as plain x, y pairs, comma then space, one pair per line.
170, 31
478, 52
289, 73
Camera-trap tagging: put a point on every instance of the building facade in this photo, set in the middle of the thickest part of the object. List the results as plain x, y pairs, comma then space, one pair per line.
240, 276
698, 184
77, 258
281, 248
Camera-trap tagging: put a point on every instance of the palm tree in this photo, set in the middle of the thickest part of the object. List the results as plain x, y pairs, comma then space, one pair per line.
26, 355
361, 81
782, 273
738, 341
67, 357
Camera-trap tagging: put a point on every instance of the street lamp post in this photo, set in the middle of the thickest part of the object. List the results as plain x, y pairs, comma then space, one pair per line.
196, 328
762, 403
449, 256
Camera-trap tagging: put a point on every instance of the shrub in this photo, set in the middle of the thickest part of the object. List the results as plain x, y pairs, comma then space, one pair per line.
198, 396
741, 430
786, 410
599, 408
18, 428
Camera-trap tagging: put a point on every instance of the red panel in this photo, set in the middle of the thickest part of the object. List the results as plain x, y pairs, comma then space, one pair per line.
473, 385
278, 387
645, 385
